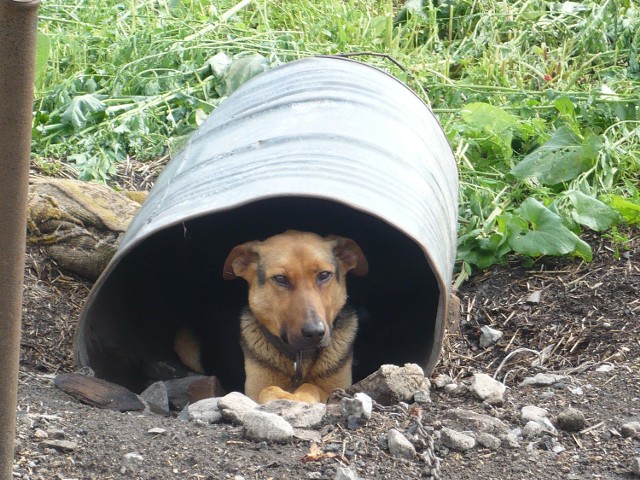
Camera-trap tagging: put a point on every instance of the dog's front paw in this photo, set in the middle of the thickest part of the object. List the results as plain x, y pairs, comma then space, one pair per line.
306, 393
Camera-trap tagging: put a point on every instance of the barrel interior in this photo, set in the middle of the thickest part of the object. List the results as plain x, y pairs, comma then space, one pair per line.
174, 278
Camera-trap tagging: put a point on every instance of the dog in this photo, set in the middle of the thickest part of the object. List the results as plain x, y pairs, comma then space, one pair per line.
297, 332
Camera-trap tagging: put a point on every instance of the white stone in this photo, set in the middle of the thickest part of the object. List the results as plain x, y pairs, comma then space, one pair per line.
399, 446
543, 380
345, 473
360, 406
532, 430
442, 380
298, 414
264, 426
456, 440
635, 466
489, 336
234, 406
487, 389
205, 411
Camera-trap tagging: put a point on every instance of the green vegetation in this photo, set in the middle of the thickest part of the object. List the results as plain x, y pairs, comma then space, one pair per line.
540, 100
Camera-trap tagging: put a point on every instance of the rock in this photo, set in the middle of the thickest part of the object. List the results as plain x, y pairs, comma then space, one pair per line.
442, 380
356, 408
635, 466
487, 389
510, 440
60, 445
314, 475
456, 440
534, 297
234, 406
391, 384
488, 441
345, 473
532, 430
455, 389
571, 420
470, 420
307, 435
543, 380
606, 368
489, 336
205, 411
264, 426
532, 413
177, 390
207, 387
630, 430
422, 397
132, 457
157, 398
56, 433
156, 431
399, 446
298, 414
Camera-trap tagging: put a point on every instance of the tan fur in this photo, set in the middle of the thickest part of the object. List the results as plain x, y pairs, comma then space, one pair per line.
187, 346
296, 279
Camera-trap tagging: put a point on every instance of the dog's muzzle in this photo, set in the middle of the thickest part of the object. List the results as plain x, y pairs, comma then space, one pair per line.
313, 334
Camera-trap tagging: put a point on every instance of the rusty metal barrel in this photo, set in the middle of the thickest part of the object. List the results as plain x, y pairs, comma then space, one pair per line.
323, 144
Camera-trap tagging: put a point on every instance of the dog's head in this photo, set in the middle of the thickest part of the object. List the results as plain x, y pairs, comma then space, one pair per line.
297, 283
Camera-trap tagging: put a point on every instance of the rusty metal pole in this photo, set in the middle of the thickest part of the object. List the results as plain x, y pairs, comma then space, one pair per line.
18, 20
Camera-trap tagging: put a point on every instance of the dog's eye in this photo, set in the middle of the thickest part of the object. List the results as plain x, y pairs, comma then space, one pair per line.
323, 277
281, 280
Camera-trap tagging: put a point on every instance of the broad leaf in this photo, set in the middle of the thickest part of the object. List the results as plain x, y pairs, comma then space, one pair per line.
240, 70
43, 47
562, 158
488, 117
536, 231
591, 212
626, 207
82, 110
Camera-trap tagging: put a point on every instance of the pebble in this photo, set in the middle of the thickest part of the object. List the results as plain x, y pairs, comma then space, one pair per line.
470, 420
530, 413
442, 380
455, 389
360, 406
532, 430
234, 406
630, 430
635, 466
571, 420
345, 473
543, 380
488, 441
488, 389
535, 297
456, 440
391, 384
399, 446
205, 411
489, 336
264, 426
157, 398
298, 414
60, 445
156, 431
422, 397
314, 475
133, 457
40, 434
510, 440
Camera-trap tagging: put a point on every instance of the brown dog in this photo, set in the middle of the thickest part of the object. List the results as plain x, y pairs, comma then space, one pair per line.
296, 334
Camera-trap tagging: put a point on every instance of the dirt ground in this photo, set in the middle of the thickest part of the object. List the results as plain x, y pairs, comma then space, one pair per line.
587, 317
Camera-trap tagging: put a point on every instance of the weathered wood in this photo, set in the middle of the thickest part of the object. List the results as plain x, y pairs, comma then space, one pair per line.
98, 393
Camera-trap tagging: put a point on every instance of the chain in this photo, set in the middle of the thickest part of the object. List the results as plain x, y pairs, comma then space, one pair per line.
429, 454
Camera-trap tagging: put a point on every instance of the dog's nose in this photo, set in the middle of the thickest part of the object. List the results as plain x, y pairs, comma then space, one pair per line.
313, 331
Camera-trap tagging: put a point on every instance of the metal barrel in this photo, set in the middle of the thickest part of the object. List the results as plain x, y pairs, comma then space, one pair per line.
322, 144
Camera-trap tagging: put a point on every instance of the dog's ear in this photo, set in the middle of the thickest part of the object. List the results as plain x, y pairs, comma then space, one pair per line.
350, 255
239, 260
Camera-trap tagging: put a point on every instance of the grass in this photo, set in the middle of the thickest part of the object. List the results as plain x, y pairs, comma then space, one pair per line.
525, 90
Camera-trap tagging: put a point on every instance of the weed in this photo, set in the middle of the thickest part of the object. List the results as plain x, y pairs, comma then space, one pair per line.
538, 98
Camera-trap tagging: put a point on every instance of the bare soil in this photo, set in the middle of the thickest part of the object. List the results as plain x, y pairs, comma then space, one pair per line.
588, 315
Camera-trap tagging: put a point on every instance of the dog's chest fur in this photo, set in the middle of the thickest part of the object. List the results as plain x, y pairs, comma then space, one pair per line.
316, 365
